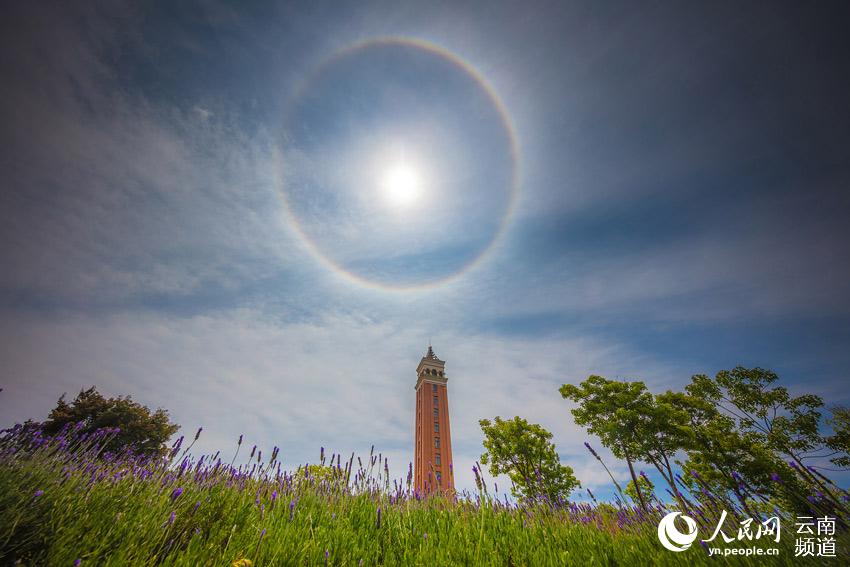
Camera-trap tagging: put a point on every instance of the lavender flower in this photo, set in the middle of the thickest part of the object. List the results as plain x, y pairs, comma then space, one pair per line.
589, 448
176, 493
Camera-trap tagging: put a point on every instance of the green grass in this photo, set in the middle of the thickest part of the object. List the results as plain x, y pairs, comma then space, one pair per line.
85, 512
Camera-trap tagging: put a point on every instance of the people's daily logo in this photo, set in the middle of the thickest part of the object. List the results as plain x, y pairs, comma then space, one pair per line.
670, 536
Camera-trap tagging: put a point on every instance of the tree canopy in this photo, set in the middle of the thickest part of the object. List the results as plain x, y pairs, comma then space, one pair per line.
839, 441
617, 413
745, 438
524, 452
140, 429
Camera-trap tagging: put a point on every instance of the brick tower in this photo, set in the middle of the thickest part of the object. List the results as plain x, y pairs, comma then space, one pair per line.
433, 442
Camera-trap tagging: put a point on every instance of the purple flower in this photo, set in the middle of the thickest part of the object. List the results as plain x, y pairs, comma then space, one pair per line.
775, 477
240, 441
589, 448
379, 518
77, 562
38, 493
171, 518
176, 493
198, 434
262, 533
425, 535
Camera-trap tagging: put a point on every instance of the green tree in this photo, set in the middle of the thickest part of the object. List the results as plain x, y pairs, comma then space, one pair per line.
327, 475
666, 431
616, 412
722, 459
788, 426
839, 441
647, 489
524, 452
143, 431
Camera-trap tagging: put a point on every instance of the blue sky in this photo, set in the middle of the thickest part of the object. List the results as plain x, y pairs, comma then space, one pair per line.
681, 209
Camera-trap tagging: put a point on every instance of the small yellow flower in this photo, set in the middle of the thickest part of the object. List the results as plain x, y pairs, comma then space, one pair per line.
242, 563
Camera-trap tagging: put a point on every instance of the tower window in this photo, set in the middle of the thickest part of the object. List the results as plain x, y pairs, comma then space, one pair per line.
436, 427
436, 412
436, 401
437, 459
437, 442
434, 388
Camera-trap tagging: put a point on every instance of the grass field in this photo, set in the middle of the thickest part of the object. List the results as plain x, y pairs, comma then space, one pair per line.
64, 503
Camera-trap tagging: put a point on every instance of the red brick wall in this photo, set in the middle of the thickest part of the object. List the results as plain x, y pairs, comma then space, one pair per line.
425, 462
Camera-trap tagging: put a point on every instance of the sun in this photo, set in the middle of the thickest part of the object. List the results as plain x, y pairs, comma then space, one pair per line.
401, 185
